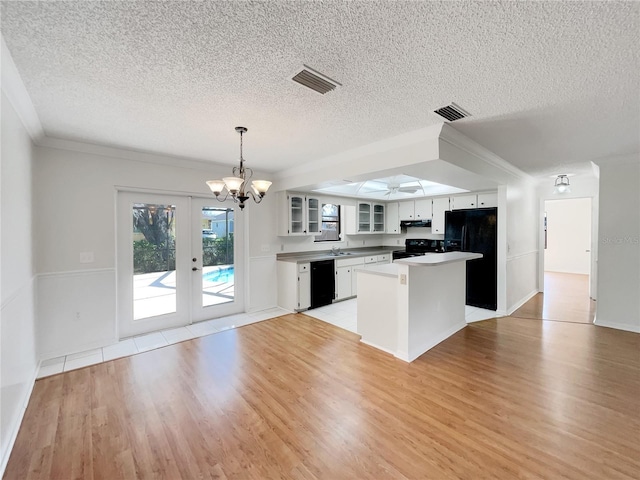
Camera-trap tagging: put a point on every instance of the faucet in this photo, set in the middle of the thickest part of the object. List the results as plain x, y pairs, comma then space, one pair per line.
335, 250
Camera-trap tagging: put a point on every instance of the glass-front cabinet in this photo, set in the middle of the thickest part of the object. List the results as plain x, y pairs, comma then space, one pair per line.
299, 214
364, 217
378, 218
314, 216
370, 218
296, 209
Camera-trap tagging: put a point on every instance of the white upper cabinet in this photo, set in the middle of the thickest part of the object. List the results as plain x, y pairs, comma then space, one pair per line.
370, 218
298, 214
440, 205
377, 225
292, 218
364, 217
460, 202
392, 218
415, 209
486, 200
406, 210
480, 200
314, 216
423, 209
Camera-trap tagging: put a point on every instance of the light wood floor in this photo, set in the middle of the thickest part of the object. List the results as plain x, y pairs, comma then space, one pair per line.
297, 398
565, 299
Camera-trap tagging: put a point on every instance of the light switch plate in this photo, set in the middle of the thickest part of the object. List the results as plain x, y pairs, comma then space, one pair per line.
403, 279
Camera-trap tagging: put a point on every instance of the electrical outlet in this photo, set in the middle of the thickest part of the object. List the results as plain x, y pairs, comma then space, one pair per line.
282, 247
86, 257
265, 248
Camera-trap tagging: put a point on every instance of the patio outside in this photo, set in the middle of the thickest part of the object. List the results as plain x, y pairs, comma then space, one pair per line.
154, 279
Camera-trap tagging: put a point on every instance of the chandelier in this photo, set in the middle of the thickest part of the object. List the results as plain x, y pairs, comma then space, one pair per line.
236, 186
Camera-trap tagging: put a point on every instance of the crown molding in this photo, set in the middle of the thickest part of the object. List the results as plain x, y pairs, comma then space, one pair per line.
15, 91
453, 137
126, 154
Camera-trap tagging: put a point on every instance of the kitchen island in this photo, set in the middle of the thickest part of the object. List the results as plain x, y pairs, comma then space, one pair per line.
407, 307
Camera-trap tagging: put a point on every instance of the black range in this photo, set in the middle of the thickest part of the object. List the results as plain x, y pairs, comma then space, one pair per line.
419, 246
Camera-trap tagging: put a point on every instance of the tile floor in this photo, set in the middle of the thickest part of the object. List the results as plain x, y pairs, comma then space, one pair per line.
341, 314
344, 314
151, 341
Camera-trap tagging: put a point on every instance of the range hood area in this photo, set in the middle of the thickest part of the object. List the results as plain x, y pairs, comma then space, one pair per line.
415, 223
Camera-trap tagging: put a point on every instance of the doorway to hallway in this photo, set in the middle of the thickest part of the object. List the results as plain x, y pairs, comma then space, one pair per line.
567, 264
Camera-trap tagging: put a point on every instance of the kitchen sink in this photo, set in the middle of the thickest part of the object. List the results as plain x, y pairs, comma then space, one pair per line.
339, 254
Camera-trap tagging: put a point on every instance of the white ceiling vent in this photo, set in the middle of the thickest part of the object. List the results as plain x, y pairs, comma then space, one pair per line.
315, 80
452, 112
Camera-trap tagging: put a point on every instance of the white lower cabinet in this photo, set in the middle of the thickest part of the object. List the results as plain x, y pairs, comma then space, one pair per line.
294, 286
375, 260
304, 286
346, 277
343, 282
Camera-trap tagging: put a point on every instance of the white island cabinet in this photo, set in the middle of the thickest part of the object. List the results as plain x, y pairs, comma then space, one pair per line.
407, 307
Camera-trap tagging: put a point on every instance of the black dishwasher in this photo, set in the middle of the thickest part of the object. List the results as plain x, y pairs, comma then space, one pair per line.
323, 283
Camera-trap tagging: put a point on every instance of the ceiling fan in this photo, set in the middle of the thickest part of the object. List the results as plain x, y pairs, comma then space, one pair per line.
394, 188
390, 188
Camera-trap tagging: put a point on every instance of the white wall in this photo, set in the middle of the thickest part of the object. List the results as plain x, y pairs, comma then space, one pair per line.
568, 236
522, 243
18, 356
618, 304
74, 208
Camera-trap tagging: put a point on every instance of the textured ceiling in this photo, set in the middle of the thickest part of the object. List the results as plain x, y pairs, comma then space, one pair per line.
548, 84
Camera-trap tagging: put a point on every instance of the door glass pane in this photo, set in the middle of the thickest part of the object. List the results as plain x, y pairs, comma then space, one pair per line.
217, 256
154, 260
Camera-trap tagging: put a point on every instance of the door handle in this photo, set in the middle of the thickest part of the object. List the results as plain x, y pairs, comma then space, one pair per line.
195, 269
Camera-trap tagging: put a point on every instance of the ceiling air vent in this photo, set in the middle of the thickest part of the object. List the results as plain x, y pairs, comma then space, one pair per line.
315, 80
452, 112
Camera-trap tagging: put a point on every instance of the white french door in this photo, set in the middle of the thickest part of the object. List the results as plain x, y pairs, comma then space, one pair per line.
176, 261
216, 240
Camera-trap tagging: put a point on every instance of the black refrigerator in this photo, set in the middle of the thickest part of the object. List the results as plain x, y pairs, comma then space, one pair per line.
475, 230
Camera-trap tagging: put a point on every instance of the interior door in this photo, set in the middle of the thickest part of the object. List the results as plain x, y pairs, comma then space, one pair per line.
152, 259
216, 262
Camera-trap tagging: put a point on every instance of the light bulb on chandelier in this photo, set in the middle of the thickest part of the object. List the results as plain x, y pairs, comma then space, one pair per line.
236, 186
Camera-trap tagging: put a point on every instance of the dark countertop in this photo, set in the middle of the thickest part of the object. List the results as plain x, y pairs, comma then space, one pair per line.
302, 257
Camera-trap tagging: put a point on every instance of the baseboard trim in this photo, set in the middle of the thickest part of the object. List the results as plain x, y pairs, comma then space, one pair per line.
16, 428
617, 326
522, 301
378, 347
